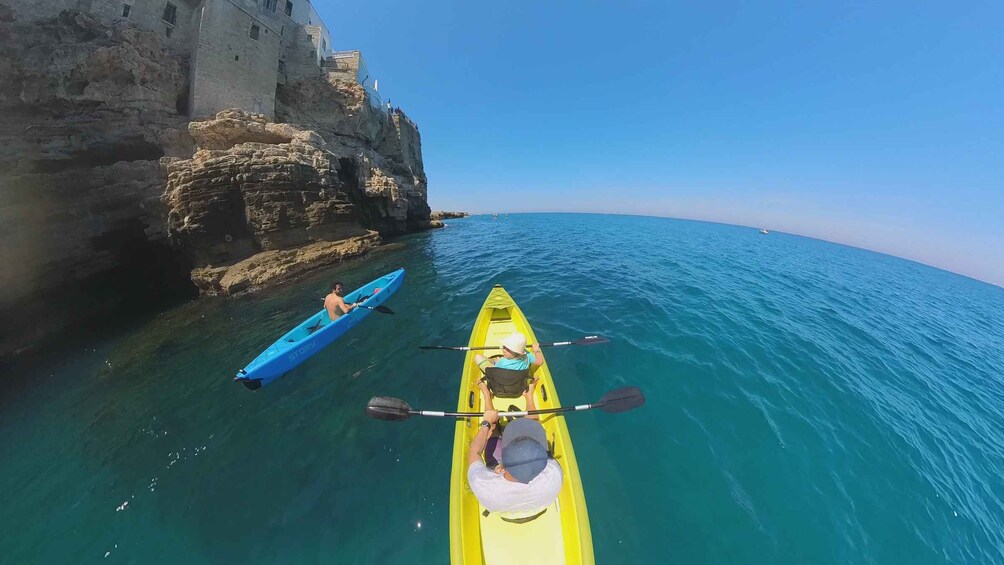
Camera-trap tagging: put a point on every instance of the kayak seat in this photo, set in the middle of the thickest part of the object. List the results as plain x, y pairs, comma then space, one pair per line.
507, 383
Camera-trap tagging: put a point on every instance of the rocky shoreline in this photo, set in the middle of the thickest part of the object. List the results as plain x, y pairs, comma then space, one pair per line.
115, 200
441, 215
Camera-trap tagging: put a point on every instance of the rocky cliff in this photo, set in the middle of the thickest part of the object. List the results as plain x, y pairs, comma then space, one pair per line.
111, 198
261, 202
86, 112
254, 190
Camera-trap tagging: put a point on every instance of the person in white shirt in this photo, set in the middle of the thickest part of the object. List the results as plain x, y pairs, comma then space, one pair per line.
526, 481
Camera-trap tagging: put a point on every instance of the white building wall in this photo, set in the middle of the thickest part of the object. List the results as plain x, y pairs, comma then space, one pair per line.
231, 69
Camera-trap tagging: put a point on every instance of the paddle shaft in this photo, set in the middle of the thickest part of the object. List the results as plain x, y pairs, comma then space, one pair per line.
555, 344
584, 341
395, 409
505, 414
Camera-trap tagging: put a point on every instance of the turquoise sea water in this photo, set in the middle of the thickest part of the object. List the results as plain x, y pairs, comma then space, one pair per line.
807, 403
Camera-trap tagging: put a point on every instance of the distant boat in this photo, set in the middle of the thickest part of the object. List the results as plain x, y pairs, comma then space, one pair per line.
764, 231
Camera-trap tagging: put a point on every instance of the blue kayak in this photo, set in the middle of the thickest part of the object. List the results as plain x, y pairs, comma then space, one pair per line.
316, 333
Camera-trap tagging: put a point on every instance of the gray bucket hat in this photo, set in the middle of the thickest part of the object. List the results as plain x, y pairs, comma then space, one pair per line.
524, 449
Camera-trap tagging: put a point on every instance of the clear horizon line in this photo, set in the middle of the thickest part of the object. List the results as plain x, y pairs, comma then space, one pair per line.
704, 220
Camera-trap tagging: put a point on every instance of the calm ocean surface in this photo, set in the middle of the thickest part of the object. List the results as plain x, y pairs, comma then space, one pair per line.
807, 403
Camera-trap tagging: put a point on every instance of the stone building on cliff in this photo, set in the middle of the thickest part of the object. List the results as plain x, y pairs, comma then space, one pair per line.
237, 51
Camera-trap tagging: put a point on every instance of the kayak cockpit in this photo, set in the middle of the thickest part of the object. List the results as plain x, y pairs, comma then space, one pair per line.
313, 324
500, 538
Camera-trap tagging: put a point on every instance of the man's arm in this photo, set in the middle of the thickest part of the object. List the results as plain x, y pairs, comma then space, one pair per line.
528, 397
345, 307
481, 438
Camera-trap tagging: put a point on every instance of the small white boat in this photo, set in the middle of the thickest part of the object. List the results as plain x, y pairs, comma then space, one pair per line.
764, 231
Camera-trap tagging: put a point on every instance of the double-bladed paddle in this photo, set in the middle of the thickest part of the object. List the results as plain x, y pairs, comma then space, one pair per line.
588, 340
395, 409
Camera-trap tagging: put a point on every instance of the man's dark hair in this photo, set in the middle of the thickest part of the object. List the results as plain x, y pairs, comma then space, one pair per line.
336, 283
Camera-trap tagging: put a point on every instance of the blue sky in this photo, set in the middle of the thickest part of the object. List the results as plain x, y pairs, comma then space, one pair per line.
879, 125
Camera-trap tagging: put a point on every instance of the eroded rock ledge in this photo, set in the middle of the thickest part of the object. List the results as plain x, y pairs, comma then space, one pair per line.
260, 203
272, 267
441, 215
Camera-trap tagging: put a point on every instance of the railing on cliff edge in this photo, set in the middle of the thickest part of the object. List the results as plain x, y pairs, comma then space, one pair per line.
340, 61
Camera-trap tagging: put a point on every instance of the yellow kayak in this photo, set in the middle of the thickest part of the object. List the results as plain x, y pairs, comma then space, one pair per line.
561, 534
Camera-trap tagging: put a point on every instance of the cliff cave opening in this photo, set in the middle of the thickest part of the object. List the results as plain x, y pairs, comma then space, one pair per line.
366, 211
145, 279
148, 275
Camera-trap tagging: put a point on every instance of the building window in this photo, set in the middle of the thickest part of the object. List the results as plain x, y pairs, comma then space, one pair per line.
168, 31
289, 8
312, 54
282, 66
254, 31
237, 58
324, 46
170, 13
125, 10
271, 5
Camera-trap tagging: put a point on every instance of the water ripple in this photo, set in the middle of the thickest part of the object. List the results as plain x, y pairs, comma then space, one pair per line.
807, 403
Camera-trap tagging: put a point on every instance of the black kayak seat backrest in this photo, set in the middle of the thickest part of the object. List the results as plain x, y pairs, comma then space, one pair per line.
507, 383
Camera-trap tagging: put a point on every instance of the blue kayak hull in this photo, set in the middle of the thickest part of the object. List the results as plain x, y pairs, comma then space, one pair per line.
315, 333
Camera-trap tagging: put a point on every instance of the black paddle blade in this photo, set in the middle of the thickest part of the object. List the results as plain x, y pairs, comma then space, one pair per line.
387, 408
591, 340
621, 400
384, 309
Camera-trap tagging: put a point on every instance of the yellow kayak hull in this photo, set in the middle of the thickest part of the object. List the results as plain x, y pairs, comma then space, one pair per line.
561, 534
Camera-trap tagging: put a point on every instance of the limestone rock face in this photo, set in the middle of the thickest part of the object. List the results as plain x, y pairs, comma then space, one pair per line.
239, 198
254, 187
383, 149
86, 112
271, 267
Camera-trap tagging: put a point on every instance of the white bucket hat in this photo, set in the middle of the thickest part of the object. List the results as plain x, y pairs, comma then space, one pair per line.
515, 342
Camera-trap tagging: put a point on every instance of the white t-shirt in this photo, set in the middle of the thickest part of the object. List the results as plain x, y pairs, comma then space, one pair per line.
516, 500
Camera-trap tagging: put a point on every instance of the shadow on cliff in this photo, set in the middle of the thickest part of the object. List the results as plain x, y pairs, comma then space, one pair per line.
87, 110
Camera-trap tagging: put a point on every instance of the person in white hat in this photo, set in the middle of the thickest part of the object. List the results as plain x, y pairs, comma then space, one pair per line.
514, 357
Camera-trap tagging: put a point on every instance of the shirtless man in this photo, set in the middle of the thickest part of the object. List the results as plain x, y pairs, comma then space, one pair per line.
334, 302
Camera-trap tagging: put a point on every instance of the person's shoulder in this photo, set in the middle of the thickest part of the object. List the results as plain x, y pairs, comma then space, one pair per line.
478, 471
554, 467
